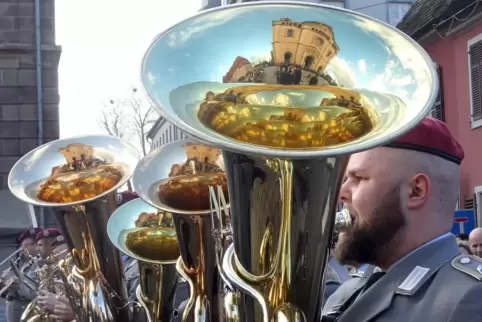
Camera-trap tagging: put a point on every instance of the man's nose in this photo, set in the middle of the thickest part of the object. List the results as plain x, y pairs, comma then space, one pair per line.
344, 193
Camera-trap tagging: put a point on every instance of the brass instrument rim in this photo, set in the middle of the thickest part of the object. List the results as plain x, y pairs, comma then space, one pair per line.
14, 186
153, 159
178, 212
114, 232
232, 145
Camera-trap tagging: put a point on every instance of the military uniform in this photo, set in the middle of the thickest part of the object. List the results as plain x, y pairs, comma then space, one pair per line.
131, 273
19, 296
18, 299
336, 275
433, 283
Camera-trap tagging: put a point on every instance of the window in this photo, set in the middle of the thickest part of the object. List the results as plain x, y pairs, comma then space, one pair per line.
477, 204
287, 58
340, 4
289, 33
437, 111
475, 80
396, 12
308, 62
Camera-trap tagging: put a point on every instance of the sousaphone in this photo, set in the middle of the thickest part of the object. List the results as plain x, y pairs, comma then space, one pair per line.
287, 91
148, 235
78, 178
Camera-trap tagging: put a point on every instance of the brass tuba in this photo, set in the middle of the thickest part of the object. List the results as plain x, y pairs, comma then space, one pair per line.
309, 86
176, 178
148, 235
78, 178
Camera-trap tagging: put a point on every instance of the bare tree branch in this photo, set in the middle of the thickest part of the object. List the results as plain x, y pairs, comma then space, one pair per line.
129, 118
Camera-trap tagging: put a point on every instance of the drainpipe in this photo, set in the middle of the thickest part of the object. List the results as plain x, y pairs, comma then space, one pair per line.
40, 123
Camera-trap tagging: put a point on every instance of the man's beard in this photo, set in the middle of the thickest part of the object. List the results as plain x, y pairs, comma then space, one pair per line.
365, 241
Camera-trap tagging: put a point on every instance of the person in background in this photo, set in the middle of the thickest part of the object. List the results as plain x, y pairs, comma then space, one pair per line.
462, 238
21, 293
464, 249
401, 222
52, 246
475, 241
131, 269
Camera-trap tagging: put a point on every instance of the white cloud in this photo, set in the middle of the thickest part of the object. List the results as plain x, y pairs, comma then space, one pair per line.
362, 66
342, 72
409, 61
201, 24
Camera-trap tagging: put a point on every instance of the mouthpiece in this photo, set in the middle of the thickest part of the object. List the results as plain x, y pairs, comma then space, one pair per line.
342, 220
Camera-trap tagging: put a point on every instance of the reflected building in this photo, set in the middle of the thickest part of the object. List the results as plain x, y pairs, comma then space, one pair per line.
310, 45
241, 71
300, 53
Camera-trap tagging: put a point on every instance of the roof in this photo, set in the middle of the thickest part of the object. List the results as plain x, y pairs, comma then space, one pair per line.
154, 128
424, 14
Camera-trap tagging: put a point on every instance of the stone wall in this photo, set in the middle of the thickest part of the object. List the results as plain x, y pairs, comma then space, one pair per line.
18, 82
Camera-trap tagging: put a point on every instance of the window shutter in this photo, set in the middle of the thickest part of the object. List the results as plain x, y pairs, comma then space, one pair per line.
438, 110
475, 52
469, 202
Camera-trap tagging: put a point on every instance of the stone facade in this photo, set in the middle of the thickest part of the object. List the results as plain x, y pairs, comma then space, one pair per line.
18, 83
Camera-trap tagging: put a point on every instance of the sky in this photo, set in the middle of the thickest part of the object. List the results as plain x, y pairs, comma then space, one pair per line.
102, 46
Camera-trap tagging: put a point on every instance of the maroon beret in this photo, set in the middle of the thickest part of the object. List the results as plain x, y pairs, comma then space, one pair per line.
51, 233
431, 136
31, 233
125, 196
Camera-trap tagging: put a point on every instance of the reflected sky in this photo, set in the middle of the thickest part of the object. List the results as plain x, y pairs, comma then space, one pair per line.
203, 49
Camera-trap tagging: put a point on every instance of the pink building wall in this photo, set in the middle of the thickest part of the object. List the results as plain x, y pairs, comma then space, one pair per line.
451, 55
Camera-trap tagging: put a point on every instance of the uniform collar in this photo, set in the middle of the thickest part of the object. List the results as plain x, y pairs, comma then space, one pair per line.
404, 278
439, 238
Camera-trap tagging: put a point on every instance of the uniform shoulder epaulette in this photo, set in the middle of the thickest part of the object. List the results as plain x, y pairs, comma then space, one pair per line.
469, 264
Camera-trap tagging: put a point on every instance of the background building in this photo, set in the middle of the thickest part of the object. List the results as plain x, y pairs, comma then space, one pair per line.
451, 32
208, 4
163, 132
29, 98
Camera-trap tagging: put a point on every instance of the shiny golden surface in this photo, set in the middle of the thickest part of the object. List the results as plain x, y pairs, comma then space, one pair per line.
190, 192
77, 186
83, 176
277, 116
187, 187
154, 237
154, 243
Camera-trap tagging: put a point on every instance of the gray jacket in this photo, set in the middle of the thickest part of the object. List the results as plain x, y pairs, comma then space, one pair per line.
18, 300
131, 273
434, 283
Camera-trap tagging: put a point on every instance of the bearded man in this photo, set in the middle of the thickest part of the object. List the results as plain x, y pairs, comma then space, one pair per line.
401, 198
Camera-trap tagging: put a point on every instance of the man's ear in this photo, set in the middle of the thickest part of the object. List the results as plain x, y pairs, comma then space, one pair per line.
419, 191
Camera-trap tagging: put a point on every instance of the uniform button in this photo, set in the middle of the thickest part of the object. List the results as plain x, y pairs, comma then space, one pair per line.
465, 260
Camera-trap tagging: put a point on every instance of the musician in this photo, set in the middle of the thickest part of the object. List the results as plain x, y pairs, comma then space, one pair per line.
401, 197
131, 269
52, 245
19, 294
50, 241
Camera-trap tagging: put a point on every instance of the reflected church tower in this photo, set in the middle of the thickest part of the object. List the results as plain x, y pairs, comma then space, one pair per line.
310, 45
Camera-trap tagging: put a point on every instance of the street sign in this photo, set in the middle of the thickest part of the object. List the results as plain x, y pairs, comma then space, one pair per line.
464, 221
